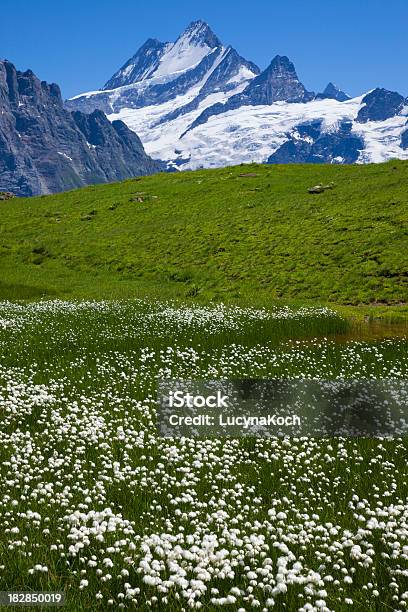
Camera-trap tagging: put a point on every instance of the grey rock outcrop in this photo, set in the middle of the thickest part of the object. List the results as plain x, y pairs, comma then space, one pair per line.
379, 105
46, 149
333, 93
309, 143
279, 82
404, 139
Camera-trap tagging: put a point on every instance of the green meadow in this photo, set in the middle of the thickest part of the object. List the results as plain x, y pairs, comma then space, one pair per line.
250, 234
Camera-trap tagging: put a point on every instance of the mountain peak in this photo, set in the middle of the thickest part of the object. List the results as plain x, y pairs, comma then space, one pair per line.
199, 33
331, 88
332, 92
282, 61
192, 46
280, 67
379, 105
157, 59
16, 85
278, 82
197, 24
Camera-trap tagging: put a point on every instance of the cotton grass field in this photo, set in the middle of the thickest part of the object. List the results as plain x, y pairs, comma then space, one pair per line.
94, 503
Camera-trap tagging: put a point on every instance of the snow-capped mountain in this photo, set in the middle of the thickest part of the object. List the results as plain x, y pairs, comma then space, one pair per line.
196, 65
197, 103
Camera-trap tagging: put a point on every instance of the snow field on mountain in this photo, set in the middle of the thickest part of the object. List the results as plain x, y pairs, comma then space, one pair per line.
253, 133
159, 138
181, 56
93, 502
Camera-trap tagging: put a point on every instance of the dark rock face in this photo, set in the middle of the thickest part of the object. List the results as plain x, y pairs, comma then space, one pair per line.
307, 143
46, 149
380, 104
221, 79
404, 139
279, 82
140, 66
200, 33
333, 93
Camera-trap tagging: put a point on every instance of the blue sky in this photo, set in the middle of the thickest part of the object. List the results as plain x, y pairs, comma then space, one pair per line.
80, 43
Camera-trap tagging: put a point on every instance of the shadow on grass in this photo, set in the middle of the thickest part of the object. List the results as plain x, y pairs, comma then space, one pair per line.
12, 292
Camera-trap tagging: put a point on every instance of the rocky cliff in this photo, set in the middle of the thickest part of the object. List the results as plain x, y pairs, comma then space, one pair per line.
45, 149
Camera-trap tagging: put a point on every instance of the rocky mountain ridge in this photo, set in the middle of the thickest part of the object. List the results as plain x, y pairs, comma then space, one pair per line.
44, 148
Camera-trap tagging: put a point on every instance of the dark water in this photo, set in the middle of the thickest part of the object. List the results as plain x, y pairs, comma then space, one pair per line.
372, 331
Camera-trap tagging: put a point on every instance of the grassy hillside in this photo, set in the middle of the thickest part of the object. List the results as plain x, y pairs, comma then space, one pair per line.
216, 234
